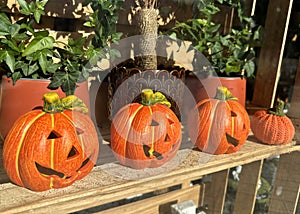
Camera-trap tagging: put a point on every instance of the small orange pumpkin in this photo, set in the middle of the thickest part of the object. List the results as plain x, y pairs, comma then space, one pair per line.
219, 125
273, 126
145, 135
51, 147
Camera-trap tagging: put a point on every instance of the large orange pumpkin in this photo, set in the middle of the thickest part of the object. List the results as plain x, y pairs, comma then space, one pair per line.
145, 135
273, 126
219, 125
51, 147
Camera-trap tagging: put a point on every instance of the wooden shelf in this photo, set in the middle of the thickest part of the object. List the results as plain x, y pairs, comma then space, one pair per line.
109, 182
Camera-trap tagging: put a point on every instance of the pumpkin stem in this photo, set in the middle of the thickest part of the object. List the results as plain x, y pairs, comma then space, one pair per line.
149, 98
53, 103
72, 102
224, 94
278, 110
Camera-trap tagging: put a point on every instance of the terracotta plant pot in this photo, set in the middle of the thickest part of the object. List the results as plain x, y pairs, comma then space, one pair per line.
202, 88
25, 95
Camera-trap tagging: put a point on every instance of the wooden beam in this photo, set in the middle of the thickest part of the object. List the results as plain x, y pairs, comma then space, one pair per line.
270, 57
215, 192
247, 188
158, 204
286, 188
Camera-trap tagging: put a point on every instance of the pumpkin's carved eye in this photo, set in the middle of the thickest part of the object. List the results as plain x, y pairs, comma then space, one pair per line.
53, 135
233, 114
171, 122
167, 138
232, 140
154, 123
73, 152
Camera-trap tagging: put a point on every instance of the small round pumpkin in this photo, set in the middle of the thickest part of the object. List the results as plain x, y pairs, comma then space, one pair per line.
145, 135
273, 126
51, 147
219, 125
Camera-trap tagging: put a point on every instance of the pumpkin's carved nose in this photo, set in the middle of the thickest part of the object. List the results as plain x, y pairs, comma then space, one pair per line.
53, 135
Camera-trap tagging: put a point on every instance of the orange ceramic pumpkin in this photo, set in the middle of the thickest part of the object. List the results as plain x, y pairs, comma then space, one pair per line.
145, 135
51, 147
273, 126
219, 125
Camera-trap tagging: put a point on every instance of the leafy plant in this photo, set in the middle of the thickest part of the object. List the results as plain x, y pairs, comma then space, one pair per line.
104, 21
229, 54
26, 52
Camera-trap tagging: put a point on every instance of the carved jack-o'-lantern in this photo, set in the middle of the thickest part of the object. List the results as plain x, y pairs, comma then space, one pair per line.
219, 125
53, 147
145, 135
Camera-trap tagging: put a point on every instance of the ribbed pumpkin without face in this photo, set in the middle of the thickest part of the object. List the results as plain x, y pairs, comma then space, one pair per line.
219, 125
51, 147
145, 135
273, 126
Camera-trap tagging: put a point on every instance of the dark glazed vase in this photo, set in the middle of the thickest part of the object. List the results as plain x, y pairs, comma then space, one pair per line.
126, 85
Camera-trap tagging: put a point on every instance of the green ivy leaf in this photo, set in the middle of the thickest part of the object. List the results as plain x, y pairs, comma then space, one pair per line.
41, 4
257, 33
4, 29
57, 80
24, 7
41, 33
67, 81
29, 70
52, 67
21, 36
4, 19
37, 15
43, 62
249, 68
85, 73
39, 44
8, 58
12, 44
16, 76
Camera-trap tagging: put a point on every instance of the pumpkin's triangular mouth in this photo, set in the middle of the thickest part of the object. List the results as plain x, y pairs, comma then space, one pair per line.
147, 152
85, 162
49, 172
232, 140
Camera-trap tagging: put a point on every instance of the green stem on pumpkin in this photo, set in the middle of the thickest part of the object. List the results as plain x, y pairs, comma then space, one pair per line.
224, 94
149, 98
278, 110
53, 103
72, 102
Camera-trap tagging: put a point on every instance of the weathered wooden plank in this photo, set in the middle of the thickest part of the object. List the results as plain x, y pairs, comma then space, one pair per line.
295, 101
102, 185
215, 191
159, 204
247, 188
285, 193
271, 53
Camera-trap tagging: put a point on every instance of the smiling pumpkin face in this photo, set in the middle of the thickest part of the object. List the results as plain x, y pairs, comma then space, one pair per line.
219, 125
50, 150
145, 136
